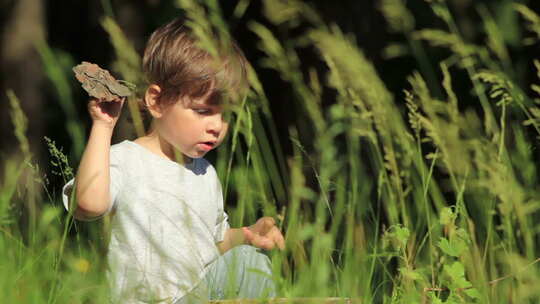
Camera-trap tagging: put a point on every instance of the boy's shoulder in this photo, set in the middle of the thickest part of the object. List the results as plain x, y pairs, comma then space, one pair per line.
120, 145
121, 149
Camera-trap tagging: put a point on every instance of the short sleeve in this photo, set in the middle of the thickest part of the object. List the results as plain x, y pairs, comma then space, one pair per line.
116, 181
222, 221
221, 227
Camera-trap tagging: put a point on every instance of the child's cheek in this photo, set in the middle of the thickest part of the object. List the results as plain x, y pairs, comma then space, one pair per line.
225, 130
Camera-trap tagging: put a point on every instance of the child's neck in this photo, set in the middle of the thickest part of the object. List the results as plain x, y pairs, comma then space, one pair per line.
157, 145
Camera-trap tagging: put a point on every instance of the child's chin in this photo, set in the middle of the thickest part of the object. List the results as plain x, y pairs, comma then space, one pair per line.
199, 154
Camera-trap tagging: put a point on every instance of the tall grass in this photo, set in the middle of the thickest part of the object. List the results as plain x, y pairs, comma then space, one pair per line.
424, 196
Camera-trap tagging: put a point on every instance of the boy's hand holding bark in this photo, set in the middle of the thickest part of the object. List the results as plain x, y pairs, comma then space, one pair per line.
105, 112
107, 95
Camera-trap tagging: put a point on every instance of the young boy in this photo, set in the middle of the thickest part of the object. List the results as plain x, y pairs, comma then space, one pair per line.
168, 225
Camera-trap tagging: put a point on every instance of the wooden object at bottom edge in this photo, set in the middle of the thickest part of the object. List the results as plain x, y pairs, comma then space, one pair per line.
289, 301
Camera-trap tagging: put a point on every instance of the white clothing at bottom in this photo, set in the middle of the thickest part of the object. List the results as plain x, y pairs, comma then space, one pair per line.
166, 221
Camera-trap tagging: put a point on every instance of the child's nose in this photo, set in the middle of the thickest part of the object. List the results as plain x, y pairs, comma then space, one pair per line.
215, 124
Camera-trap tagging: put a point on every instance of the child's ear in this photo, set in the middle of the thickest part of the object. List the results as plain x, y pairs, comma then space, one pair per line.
151, 100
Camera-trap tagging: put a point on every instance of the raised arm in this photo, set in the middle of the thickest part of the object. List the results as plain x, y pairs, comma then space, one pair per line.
93, 175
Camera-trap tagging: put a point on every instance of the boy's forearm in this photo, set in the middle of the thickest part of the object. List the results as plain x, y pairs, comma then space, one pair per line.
93, 176
233, 237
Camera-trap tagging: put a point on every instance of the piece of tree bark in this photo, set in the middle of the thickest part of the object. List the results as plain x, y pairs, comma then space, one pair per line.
99, 83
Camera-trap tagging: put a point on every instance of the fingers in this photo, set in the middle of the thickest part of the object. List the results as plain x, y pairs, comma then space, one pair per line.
94, 100
111, 108
257, 240
279, 240
263, 243
267, 237
248, 235
266, 224
276, 238
105, 111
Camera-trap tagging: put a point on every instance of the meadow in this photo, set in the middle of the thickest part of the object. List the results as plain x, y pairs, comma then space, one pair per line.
429, 195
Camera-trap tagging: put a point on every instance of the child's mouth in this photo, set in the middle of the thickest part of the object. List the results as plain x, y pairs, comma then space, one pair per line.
207, 145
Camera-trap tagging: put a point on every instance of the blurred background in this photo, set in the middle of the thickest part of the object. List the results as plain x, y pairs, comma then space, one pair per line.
73, 30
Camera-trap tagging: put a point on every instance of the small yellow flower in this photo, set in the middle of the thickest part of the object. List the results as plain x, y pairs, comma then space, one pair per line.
81, 265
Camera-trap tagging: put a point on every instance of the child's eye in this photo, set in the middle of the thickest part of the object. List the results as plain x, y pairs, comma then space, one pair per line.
202, 111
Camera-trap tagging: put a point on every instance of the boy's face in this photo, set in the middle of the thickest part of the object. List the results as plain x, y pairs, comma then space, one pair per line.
194, 127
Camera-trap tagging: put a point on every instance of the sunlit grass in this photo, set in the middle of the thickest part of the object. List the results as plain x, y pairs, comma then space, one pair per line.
405, 197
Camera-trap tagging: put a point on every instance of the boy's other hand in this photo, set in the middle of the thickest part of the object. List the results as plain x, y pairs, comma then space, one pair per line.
264, 234
105, 112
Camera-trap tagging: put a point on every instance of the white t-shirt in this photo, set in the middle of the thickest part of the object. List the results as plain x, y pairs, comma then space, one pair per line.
167, 219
